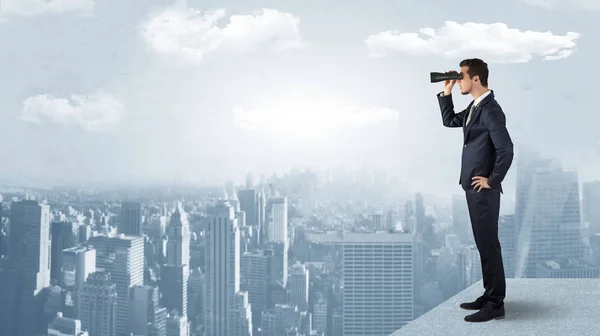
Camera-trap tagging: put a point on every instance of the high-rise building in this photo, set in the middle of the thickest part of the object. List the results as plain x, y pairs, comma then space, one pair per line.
175, 274
77, 264
99, 305
222, 269
146, 317
123, 257
130, 219
249, 203
299, 287
25, 279
378, 282
461, 221
63, 237
550, 222
30, 243
277, 224
256, 280
591, 210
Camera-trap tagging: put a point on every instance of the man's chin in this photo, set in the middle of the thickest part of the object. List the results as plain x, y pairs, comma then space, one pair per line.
464, 93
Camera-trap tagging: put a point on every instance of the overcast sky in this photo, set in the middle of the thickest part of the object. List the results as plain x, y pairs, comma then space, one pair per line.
209, 90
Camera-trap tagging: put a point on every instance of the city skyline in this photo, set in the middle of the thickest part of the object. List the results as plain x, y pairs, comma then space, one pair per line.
110, 93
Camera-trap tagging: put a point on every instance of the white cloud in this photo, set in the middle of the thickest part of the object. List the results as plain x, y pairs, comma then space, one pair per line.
492, 42
43, 7
94, 112
190, 33
593, 5
301, 119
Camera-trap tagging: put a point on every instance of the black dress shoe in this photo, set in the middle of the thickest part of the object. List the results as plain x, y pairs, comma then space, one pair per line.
475, 305
489, 312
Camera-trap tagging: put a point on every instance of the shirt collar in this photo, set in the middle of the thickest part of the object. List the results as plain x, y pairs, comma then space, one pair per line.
480, 98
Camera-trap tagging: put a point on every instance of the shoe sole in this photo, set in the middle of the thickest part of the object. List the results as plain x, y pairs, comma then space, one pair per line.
495, 318
465, 308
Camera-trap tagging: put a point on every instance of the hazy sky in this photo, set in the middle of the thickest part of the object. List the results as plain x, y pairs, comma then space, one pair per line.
209, 90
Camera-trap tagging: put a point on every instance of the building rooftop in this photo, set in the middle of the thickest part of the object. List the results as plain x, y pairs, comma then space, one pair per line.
533, 307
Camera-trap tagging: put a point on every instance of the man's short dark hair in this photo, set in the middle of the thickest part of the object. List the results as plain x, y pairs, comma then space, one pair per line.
477, 67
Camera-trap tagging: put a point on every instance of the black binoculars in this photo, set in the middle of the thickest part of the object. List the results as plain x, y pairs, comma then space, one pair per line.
442, 76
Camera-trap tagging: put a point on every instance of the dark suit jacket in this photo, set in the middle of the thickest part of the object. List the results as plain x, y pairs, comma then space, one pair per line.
487, 146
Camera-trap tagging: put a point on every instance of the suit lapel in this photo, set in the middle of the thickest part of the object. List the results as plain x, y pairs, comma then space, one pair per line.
474, 115
476, 112
465, 126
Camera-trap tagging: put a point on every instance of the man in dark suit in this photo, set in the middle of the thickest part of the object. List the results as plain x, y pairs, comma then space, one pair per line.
487, 155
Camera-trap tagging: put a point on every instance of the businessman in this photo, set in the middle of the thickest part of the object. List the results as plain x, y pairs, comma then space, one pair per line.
487, 154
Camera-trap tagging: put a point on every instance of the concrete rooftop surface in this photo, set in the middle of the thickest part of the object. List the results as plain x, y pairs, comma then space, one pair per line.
544, 307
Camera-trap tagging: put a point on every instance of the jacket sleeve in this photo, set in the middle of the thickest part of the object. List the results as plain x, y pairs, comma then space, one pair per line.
449, 118
496, 125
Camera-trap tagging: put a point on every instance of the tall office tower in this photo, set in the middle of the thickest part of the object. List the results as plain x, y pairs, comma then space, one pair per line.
473, 269
551, 223
378, 221
262, 209
64, 326
278, 220
28, 271
175, 274
409, 218
123, 257
527, 165
147, 317
242, 315
222, 269
99, 305
130, 219
256, 280
77, 264
197, 298
591, 210
299, 287
320, 315
419, 213
249, 203
63, 237
378, 282
507, 237
30, 244
461, 221
391, 218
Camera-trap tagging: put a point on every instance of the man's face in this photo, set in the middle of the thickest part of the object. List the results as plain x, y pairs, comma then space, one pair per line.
465, 84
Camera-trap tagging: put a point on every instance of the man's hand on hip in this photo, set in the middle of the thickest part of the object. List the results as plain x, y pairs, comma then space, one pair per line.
481, 183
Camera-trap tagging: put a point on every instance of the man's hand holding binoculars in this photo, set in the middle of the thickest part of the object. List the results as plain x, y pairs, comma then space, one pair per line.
449, 83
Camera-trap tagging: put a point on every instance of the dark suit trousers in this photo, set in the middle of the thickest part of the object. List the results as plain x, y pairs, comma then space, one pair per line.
484, 211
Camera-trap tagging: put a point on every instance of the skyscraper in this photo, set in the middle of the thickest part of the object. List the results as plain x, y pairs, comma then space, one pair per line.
30, 243
77, 264
378, 282
277, 226
130, 219
299, 287
99, 305
222, 269
550, 225
63, 237
123, 257
28, 273
175, 274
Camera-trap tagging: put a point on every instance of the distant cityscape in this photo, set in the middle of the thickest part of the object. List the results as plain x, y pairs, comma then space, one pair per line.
307, 253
